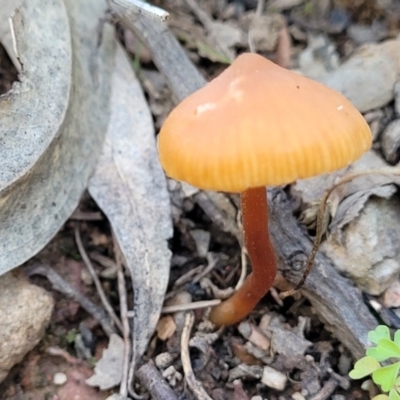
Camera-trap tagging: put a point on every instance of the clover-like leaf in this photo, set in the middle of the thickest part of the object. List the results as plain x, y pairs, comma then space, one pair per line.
385, 377
381, 397
397, 337
380, 332
394, 395
386, 348
396, 385
363, 367
372, 352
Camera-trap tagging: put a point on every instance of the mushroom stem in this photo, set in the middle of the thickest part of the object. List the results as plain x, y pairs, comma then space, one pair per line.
262, 257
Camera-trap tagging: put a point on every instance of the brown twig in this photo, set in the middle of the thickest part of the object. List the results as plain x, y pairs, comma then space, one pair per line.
96, 279
153, 381
182, 76
326, 391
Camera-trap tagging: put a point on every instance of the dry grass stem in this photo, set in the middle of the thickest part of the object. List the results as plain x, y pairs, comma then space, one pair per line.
190, 378
123, 303
96, 280
190, 306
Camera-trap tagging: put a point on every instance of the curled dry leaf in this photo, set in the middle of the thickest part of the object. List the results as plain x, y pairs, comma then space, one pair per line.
130, 187
108, 370
362, 236
61, 109
369, 246
347, 201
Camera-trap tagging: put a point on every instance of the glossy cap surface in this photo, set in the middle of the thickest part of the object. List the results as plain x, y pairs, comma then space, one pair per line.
258, 124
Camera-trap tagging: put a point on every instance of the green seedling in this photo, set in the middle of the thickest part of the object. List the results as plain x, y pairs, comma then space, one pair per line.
386, 351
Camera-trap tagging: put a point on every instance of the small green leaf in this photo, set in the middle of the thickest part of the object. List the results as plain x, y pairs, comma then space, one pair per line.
380, 397
364, 367
394, 395
386, 348
380, 332
373, 352
386, 376
397, 337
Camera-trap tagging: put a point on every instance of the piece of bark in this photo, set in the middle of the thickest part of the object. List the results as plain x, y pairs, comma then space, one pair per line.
168, 55
153, 381
337, 302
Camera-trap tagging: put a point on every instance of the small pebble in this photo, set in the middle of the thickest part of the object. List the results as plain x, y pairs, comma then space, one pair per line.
391, 142
59, 378
344, 364
298, 396
163, 360
273, 378
309, 358
172, 375
256, 398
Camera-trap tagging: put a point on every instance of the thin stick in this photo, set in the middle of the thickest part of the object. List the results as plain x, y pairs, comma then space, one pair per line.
327, 390
123, 303
190, 306
146, 9
13, 38
198, 276
320, 221
183, 77
153, 381
258, 14
243, 271
190, 378
212, 262
86, 216
96, 279
243, 257
260, 8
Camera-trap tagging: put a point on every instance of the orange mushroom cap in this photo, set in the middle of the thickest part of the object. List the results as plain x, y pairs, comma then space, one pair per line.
258, 124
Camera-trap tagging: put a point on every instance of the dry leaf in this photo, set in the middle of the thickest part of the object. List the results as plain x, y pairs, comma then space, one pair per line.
130, 187
347, 201
108, 370
53, 122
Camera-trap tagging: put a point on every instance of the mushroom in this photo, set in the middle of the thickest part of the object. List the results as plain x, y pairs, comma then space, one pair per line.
255, 125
